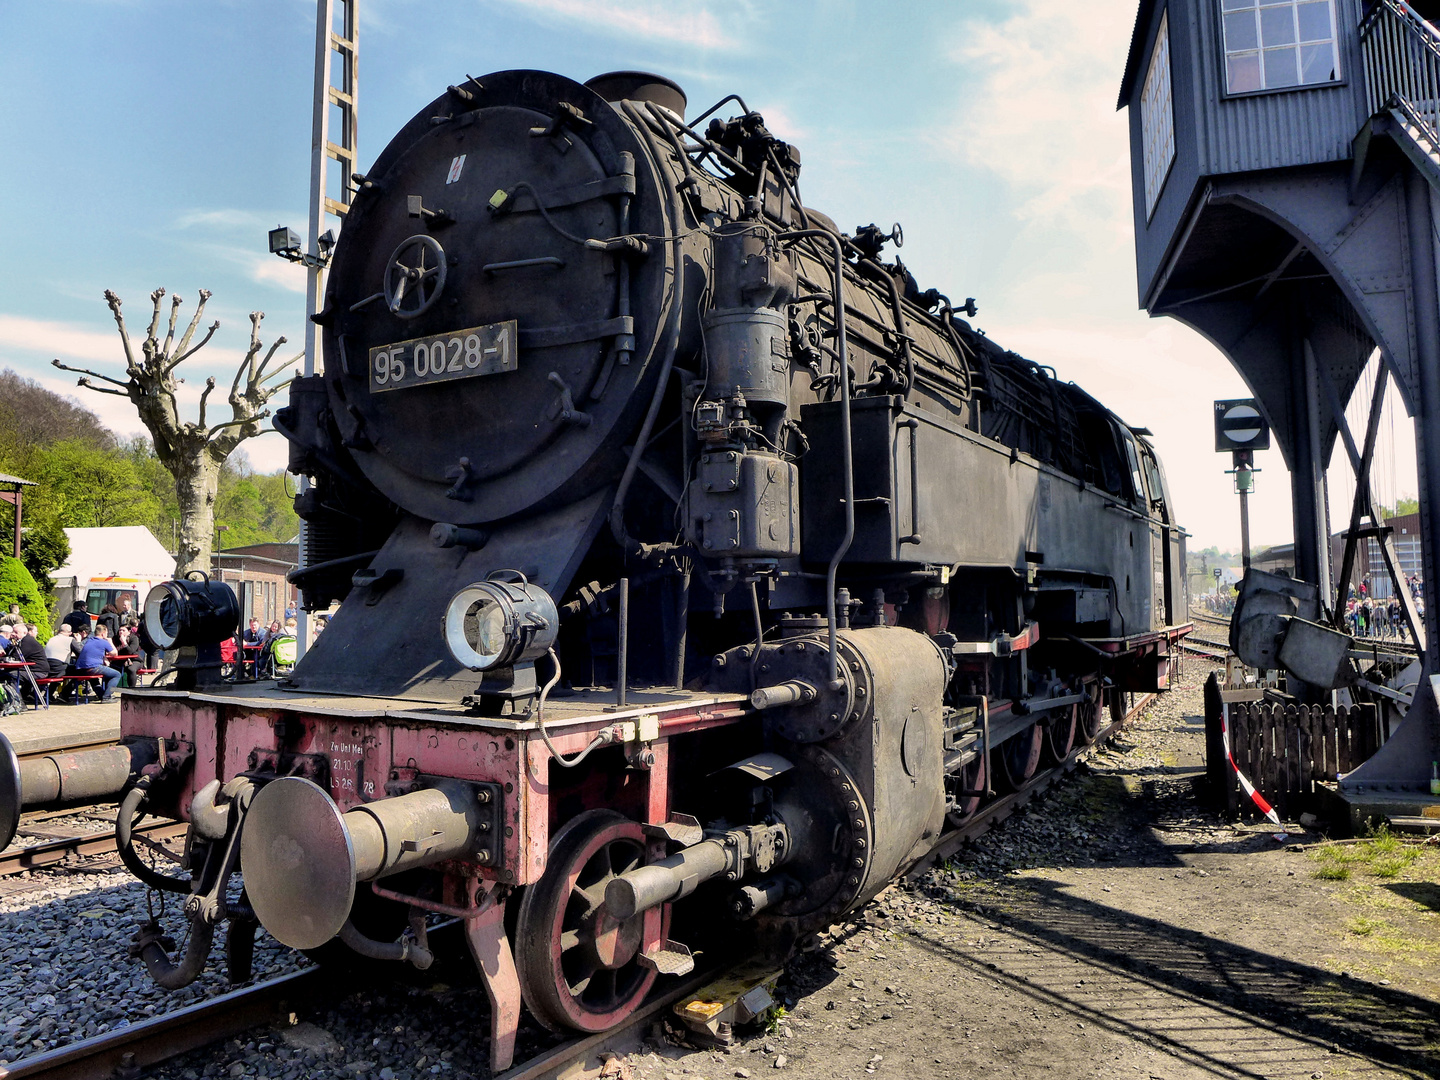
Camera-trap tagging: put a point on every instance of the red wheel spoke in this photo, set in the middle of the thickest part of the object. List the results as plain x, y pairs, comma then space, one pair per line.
579, 968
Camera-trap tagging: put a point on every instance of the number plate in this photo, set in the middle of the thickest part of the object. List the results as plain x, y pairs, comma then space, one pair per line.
463, 354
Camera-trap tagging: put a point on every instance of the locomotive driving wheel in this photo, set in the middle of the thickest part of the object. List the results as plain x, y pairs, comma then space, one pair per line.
1017, 758
1089, 713
579, 967
1060, 734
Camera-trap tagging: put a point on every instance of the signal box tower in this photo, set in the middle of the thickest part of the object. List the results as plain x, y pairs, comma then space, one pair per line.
1285, 164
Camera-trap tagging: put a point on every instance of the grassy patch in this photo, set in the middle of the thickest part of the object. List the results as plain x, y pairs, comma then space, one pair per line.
1382, 855
1390, 865
1364, 927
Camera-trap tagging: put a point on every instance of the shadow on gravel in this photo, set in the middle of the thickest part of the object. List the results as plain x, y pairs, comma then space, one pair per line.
1298, 1001
1422, 892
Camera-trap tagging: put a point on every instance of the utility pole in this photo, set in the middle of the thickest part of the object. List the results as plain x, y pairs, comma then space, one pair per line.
1244, 473
336, 54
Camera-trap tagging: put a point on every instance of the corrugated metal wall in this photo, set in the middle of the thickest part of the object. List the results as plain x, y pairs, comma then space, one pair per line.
1275, 130
1216, 136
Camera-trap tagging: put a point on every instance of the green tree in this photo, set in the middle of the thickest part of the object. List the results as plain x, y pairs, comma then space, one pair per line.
18, 587
94, 488
43, 548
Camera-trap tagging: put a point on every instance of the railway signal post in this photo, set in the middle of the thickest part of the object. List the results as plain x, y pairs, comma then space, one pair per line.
1240, 429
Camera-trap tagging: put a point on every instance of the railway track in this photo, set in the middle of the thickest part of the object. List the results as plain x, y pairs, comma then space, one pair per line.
124, 1053
18, 860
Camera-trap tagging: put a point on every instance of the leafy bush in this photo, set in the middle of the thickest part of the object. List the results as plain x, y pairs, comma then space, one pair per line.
18, 587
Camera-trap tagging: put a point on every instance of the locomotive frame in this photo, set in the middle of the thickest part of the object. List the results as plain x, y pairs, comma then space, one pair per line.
825, 566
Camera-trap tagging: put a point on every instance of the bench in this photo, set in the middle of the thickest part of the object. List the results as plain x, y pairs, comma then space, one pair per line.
83, 684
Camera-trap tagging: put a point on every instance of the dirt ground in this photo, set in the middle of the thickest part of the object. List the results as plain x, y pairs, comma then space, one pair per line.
1119, 929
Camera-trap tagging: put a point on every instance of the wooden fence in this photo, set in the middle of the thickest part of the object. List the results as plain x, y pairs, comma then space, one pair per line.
1285, 750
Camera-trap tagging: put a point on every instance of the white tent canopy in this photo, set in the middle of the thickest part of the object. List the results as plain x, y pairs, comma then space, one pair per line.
129, 551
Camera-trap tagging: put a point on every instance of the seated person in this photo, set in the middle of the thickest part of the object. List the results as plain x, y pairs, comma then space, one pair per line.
127, 643
79, 617
117, 614
10, 652
12, 617
57, 650
92, 658
10, 635
267, 653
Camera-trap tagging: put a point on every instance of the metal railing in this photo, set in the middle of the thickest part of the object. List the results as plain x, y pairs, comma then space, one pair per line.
1401, 52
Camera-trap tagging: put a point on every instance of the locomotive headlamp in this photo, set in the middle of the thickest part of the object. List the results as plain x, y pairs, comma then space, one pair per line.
188, 612
500, 623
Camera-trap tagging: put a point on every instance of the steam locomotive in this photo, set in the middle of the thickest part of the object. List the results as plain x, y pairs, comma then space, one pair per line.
697, 568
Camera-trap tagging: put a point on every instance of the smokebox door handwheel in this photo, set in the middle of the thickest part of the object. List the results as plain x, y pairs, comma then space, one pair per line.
415, 277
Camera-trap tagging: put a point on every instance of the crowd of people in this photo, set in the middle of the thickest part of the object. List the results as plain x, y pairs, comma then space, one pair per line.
268, 647
114, 646
111, 647
1367, 616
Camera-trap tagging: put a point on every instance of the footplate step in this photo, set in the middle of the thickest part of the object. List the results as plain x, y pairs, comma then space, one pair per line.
671, 958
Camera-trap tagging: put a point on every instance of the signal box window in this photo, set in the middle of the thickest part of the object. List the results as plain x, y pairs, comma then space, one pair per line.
1157, 117
1278, 44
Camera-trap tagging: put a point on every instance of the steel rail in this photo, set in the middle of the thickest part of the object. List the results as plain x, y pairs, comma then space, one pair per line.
124, 1052
150, 1042
549, 1064
51, 852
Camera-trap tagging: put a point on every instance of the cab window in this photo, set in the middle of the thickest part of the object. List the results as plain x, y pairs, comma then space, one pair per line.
96, 599
1136, 481
1156, 479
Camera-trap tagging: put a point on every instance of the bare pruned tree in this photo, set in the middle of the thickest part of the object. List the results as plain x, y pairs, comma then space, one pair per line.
193, 452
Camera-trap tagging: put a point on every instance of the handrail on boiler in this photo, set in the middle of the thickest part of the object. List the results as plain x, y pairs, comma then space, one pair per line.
838, 307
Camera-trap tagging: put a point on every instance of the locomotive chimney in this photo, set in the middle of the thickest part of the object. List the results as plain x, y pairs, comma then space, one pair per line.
640, 86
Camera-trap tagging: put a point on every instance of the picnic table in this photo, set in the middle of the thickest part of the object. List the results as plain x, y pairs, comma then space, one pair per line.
14, 667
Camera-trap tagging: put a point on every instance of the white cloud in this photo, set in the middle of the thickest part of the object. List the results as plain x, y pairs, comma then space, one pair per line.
1044, 118
674, 23
272, 271
58, 339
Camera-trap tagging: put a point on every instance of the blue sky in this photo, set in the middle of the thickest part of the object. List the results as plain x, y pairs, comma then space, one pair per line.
153, 142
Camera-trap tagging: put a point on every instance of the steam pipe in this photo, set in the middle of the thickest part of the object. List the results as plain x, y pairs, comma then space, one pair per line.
617, 509
844, 363
898, 313
404, 949
124, 822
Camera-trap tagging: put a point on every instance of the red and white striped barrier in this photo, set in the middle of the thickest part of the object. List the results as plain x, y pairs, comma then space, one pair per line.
1245, 785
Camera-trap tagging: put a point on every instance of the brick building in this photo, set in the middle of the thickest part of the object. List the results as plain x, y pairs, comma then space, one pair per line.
257, 574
